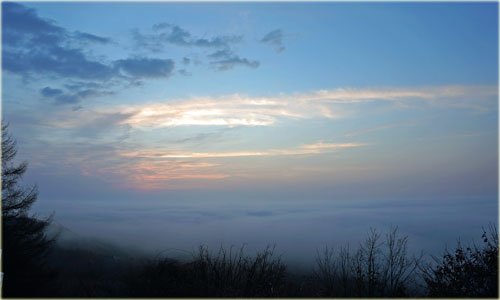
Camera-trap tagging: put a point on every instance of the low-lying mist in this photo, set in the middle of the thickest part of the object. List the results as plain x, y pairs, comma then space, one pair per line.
297, 227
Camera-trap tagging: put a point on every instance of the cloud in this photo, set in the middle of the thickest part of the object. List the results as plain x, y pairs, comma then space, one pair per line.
157, 169
145, 67
100, 161
227, 64
239, 110
33, 45
147, 41
54, 60
50, 92
87, 37
226, 59
274, 39
316, 148
349, 95
230, 111
221, 54
222, 59
165, 32
37, 47
60, 97
85, 119
79, 85
21, 25
172, 34
102, 124
145, 164
158, 174
96, 143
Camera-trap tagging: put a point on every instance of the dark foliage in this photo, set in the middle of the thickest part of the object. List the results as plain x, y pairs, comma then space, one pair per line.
24, 243
160, 278
227, 273
235, 274
469, 272
85, 273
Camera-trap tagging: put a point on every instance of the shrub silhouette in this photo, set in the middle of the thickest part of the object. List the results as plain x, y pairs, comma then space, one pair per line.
227, 273
231, 273
24, 243
376, 269
469, 272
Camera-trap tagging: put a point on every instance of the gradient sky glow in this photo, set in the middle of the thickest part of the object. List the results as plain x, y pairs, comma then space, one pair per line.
214, 121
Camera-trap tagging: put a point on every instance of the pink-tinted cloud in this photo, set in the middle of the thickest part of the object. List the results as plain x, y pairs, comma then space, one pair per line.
238, 110
316, 148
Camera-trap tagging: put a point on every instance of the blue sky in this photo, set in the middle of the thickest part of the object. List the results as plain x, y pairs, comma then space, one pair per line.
261, 105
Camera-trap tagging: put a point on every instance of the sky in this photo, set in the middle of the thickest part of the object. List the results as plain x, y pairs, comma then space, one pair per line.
298, 124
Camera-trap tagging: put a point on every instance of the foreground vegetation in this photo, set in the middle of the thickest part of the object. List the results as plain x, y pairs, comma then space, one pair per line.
35, 265
376, 268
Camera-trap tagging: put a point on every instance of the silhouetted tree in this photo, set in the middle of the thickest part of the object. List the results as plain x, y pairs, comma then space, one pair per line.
377, 268
469, 272
235, 274
24, 243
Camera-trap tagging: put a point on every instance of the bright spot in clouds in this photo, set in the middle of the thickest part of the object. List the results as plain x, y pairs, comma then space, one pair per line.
237, 110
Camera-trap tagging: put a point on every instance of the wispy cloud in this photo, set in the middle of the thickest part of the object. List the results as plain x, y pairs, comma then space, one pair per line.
145, 67
274, 39
227, 111
316, 148
91, 38
349, 95
226, 59
166, 33
157, 174
239, 110
233, 61
156, 168
60, 97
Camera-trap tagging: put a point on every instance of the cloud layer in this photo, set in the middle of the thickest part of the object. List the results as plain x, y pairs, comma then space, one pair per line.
157, 165
238, 110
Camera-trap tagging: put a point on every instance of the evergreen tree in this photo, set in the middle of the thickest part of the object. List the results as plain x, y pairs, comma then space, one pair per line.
24, 243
